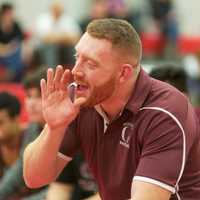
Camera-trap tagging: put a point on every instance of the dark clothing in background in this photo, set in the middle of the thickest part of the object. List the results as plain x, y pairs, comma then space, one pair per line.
12, 183
77, 173
16, 34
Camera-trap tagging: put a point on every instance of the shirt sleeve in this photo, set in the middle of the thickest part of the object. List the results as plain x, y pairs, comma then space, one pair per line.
163, 152
70, 145
67, 175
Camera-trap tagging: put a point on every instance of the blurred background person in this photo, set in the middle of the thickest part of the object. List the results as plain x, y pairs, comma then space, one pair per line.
120, 9
11, 132
191, 65
11, 183
174, 75
114, 9
98, 9
165, 20
11, 38
56, 32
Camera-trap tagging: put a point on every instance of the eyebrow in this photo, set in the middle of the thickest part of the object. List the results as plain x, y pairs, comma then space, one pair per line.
88, 58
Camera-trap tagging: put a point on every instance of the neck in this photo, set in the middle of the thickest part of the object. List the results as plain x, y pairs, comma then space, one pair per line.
114, 105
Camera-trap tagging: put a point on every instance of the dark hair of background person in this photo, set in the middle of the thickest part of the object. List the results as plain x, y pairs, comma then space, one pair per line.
10, 103
173, 74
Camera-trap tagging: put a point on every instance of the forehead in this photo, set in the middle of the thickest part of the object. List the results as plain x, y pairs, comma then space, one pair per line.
93, 46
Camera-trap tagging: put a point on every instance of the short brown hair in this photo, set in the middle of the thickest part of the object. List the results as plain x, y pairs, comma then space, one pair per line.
119, 32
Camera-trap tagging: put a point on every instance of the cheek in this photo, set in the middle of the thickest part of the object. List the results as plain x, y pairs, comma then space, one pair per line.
4, 128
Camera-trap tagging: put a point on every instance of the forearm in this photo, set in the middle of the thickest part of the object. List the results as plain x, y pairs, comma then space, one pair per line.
41, 162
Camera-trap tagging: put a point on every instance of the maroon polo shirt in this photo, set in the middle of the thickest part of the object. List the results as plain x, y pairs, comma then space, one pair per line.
155, 140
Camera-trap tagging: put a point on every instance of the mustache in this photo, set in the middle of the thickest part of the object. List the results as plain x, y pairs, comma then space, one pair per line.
78, 80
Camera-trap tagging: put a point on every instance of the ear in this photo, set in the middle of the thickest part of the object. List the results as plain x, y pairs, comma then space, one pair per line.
126, 72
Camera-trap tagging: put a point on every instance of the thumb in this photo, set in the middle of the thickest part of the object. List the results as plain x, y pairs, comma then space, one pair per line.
79, 101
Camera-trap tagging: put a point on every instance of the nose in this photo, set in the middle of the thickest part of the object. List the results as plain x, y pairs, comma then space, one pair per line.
78, 70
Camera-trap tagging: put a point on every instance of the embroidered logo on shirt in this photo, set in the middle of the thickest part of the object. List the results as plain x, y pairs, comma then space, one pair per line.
125, 136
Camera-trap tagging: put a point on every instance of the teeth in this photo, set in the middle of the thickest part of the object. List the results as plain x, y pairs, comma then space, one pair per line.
73, 84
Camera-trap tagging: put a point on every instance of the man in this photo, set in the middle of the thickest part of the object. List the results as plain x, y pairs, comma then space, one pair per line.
131, 128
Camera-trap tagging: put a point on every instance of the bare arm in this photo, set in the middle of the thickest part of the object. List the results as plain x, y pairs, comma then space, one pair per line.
146, 191
41, 161
43, 155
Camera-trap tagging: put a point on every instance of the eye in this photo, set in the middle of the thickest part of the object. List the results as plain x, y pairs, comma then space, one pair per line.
91, 64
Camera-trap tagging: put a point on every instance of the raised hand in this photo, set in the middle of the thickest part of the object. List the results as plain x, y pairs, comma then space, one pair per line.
58, 109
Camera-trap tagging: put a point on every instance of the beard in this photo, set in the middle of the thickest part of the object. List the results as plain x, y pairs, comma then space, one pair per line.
101, 93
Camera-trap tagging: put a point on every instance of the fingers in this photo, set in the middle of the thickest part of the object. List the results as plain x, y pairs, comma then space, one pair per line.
50, 82
57, 77
65, 79
57, 80
43, 87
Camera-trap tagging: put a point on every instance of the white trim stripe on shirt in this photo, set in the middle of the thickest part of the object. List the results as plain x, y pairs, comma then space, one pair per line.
64, 157
184, 141
155, 182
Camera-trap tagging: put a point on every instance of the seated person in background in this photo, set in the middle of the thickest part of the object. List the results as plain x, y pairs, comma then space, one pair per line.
99, 9
12, 183
74, 183
11, 37
11, 133
56, 33
174, 75
162, 12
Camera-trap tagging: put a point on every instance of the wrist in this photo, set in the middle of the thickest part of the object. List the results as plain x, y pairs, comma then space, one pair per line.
58, 129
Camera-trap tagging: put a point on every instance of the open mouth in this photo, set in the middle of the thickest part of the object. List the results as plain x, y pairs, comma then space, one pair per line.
81, 88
